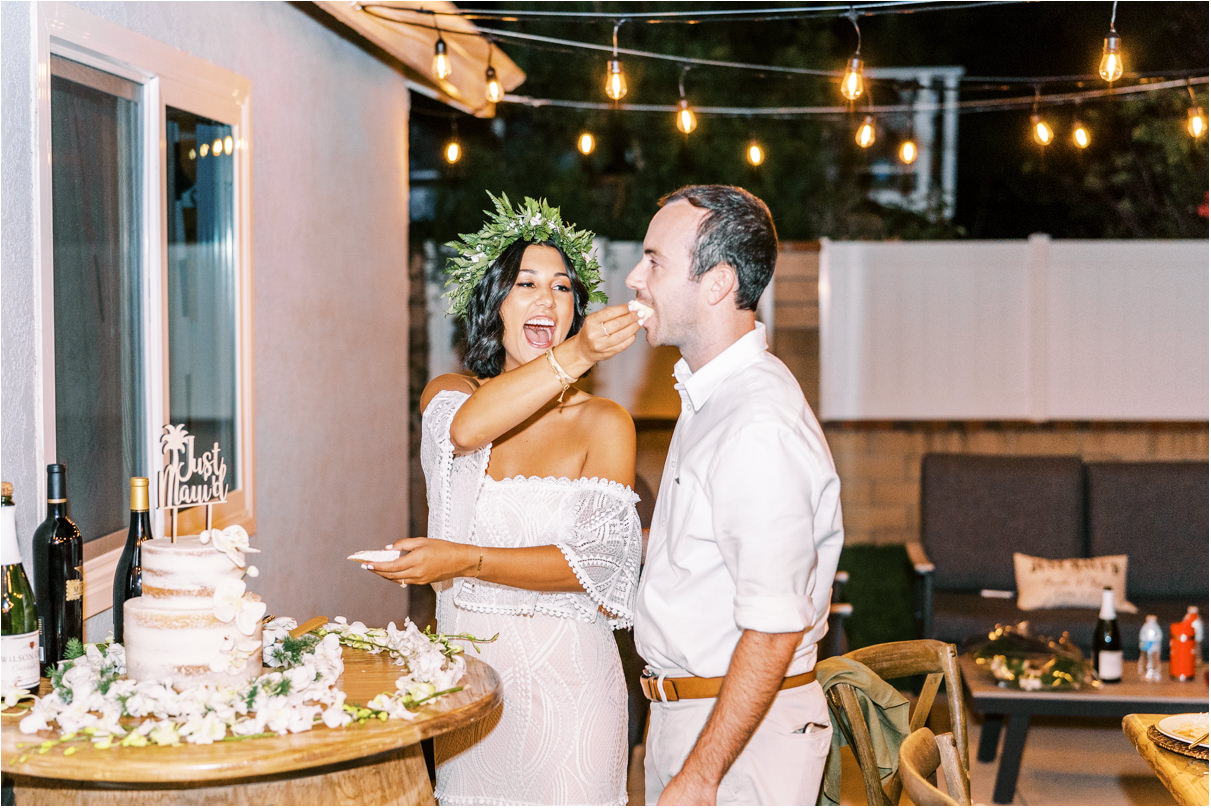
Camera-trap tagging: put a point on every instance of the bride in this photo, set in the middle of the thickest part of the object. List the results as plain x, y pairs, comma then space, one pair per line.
533, 529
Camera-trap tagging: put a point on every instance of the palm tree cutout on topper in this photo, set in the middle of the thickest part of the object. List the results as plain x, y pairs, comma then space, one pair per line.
189, 479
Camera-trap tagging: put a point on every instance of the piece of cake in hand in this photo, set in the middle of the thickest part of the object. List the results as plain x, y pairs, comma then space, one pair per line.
195, 622
644, 311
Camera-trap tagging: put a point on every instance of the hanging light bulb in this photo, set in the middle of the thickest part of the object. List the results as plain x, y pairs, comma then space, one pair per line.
1111, 66
851, 82
1080, 135
492, 90
865, 136
616, 82
686, 121
1041, 130
586, 143
755, 154
1196, 122
441, 61
908, 152
454, 152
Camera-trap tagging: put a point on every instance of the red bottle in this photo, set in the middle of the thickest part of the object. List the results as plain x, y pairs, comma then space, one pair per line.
1181, 651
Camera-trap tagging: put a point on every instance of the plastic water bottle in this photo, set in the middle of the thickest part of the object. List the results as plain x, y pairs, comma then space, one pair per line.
1150, 650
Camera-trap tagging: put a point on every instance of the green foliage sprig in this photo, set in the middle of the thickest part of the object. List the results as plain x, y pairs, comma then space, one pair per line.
534, 220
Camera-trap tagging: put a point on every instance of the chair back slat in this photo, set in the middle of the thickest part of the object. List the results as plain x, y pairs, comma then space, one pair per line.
958, 785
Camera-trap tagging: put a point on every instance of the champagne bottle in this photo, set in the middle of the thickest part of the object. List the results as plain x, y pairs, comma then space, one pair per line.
128, 579
19, 627
1107, 645
58, 571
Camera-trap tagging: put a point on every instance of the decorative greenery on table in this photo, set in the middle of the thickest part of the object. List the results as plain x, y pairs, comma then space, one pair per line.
1016, 658
92, 702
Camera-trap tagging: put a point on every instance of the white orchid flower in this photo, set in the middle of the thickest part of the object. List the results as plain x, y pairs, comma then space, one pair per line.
231, 541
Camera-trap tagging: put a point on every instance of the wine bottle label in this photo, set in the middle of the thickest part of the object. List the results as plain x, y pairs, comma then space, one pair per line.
19, 659
1110, 665
75, 588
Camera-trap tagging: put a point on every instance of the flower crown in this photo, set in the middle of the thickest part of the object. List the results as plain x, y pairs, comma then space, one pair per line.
534, 220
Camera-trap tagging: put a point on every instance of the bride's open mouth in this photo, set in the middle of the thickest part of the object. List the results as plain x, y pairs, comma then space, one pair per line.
540, 332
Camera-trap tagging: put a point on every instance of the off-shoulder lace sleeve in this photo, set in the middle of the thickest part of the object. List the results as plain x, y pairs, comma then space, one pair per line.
452, 482
604, 549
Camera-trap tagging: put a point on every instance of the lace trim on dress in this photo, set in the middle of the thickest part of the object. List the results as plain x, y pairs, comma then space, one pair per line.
595, 517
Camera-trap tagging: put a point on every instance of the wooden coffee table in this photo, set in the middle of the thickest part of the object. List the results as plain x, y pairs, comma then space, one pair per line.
377, 763
1014, 709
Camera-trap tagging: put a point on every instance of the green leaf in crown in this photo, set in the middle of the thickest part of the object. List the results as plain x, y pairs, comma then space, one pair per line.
534, 220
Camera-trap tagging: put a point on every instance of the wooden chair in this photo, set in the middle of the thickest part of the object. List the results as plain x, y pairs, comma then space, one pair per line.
922, 755
938, 662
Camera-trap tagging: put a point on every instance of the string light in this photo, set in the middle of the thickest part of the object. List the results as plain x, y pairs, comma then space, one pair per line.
492, 89
865, 136
1080, 135
851, 82
908, 151
441, 61
1111, 66
754, 153
1196, 121
454, 152
686, 120
586, 143
616, 82
1041, 131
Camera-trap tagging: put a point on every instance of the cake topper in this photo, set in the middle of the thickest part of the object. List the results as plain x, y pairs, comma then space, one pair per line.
188, 479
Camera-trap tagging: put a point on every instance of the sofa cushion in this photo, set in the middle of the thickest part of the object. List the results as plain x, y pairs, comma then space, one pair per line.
965, 618
978, 510
1156, 513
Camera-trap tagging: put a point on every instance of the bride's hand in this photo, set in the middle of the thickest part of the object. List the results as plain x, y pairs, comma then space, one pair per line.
607, 333
424, 560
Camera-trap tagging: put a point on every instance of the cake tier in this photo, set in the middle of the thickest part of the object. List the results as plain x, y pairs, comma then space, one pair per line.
169, 644
183, 575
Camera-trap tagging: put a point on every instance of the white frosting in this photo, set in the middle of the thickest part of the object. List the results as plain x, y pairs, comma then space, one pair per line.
174, 632
644, 311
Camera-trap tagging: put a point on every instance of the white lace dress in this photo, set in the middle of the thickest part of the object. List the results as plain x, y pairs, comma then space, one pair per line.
560, 736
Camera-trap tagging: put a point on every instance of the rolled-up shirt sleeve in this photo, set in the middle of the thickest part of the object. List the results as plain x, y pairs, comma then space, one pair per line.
763, 485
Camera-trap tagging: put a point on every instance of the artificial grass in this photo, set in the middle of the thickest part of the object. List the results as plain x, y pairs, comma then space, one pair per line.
881, 590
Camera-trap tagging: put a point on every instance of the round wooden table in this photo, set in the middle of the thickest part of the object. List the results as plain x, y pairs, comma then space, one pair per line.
376, 763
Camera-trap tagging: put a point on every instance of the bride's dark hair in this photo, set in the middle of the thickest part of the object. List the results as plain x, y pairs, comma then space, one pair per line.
485, 355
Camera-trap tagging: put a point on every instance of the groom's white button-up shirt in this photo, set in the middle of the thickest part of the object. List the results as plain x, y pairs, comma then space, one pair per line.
747, 528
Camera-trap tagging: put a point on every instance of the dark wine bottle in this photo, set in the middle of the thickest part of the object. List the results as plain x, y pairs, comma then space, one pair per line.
19, 629
1107, 645
128, 579
58, 571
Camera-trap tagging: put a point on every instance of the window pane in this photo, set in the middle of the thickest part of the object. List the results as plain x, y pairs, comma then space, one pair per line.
202, 283
99, 407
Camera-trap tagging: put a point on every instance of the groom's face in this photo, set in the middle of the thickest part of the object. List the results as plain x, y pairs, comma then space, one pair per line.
662, 278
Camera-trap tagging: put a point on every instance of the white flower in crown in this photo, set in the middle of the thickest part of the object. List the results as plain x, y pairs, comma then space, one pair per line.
231, 541
231, 604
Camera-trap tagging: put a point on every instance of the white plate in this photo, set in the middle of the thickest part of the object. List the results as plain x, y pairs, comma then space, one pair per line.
373, 556
1185, 727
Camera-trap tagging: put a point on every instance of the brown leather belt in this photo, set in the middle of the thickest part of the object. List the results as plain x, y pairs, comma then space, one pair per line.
695, 687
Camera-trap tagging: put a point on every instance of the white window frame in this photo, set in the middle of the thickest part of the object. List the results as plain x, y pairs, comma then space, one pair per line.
169, 77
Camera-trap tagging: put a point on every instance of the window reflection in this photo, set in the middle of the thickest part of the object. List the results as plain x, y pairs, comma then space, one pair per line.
201, 282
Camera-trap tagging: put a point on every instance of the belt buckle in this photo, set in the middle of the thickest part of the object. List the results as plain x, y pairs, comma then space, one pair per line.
653, 687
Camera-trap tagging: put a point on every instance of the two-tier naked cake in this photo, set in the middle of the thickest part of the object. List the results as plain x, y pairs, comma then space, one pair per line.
195, 623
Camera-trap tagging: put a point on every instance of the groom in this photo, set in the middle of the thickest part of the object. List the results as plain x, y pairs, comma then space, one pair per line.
747, 528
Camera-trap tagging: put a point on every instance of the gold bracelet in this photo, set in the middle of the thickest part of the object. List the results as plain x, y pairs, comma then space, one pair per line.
560, 373
480, 566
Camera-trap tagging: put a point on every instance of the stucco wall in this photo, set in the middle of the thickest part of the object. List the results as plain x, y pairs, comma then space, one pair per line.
330, 291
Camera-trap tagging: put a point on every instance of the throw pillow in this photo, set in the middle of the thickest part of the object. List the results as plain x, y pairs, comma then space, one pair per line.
1076, 583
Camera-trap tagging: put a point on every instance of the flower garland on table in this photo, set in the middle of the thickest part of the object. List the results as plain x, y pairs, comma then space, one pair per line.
535, 221
91, 701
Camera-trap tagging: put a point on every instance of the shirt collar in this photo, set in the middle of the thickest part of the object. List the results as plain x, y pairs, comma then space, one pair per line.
696, 387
